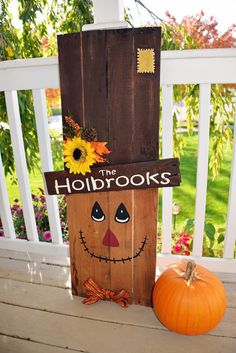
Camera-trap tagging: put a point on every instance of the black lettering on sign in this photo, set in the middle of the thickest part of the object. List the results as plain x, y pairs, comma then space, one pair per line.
153, 174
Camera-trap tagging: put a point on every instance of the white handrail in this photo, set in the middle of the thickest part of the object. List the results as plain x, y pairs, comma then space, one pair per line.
202, 167
204, 67
5, 211
230, 235
167, 152
20, 161
177, 67
40, 107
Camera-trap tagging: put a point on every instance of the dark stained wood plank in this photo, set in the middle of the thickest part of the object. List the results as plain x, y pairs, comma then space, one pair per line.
146, 136
120, 94
70, 65
120, 112
146, 97
95, 82
152, 174
94, 75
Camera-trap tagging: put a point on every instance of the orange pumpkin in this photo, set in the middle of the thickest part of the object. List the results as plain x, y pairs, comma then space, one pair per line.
189, 299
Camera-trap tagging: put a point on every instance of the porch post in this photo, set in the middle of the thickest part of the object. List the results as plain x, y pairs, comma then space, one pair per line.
107, 15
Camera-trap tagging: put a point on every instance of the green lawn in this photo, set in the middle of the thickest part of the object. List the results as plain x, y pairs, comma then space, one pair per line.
217, 190
217, 195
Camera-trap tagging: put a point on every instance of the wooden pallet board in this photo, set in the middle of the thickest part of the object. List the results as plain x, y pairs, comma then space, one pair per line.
101, 88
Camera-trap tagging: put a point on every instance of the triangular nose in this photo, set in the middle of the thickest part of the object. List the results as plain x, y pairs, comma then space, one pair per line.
110, 239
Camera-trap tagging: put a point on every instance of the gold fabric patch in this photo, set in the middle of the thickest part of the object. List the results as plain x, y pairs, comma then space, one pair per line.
145, 61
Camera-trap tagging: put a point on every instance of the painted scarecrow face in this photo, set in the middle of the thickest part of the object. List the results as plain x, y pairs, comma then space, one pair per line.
113, 241
106, 227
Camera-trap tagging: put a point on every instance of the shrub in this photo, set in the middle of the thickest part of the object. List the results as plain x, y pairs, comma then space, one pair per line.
41, 218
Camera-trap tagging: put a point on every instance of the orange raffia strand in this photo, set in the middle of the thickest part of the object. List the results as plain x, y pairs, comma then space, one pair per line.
73, 124
100, 149
96, 293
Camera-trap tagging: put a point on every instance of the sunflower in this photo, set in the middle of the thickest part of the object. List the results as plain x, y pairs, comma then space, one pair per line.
78, 155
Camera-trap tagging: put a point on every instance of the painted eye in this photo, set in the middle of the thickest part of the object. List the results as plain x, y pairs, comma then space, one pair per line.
97, 213
122, 215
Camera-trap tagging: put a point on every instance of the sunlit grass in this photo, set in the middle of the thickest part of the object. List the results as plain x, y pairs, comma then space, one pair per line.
217, 190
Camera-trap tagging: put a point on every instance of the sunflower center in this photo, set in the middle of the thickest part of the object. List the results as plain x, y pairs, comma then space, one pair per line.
76, 154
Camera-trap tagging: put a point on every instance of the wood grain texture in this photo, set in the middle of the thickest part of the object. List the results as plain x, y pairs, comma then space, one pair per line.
10, 344
58, 300
124, 109
121, 272
71, 76
95, 336
145, 226
85, 233
146, 88
114, 177
120, 95
36, 314
146, 136
95, 82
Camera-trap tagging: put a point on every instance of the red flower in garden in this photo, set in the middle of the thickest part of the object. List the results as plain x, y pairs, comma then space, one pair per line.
177, 248
182, 244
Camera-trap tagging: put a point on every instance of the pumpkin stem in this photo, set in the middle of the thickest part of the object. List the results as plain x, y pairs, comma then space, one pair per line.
190, 273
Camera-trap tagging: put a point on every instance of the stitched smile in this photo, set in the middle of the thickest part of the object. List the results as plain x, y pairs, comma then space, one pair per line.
108, 259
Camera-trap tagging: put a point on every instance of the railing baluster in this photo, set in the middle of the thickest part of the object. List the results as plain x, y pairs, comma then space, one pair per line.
230, 235
202, 167
20, 161
40, 109
167, 152
5, 211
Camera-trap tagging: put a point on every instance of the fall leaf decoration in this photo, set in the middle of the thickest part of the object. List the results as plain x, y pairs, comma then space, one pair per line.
81, 148
100, 149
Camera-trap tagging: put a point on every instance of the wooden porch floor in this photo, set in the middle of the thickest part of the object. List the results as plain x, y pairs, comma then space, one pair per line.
38, 314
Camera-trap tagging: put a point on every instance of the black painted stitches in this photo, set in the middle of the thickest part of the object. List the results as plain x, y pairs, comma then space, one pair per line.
108, 259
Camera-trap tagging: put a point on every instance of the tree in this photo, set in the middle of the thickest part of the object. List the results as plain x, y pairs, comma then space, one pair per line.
36, 38
201, 32
198, 32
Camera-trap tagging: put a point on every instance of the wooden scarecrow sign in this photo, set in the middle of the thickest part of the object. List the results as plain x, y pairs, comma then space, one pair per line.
110, 104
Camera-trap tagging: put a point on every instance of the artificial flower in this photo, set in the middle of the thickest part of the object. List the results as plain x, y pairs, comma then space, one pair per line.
79, 155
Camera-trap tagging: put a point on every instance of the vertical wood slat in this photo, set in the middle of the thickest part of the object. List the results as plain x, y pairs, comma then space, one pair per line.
167, 152
20, 161
122, 144
5, 211
202, 167
40, 108
230, 235
92, 86
146, 88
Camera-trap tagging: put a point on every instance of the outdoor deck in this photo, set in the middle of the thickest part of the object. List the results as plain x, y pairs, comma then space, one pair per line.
39, 314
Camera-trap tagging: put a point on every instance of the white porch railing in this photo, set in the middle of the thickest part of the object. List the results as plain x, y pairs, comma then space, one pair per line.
204, 67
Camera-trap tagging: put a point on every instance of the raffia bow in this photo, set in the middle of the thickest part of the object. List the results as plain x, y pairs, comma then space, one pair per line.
95, 293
